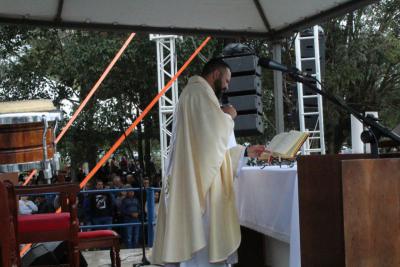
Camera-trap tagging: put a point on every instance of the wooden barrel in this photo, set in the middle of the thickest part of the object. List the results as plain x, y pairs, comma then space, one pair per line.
20, 143
21, 139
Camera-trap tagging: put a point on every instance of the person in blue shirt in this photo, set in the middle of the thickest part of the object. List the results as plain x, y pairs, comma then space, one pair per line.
130, 211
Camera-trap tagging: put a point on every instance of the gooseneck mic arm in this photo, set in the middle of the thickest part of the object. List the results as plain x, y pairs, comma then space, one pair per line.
375, 128
274, 65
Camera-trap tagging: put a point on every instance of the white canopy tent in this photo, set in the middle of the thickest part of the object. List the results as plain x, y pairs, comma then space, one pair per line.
252, 18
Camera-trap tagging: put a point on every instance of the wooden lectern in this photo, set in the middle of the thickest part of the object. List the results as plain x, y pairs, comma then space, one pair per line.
349, 210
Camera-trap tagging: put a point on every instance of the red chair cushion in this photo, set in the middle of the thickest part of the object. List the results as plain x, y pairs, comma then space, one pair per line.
43, 222
97, 234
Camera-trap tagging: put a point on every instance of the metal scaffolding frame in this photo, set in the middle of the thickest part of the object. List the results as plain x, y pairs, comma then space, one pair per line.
166, 69
316, 142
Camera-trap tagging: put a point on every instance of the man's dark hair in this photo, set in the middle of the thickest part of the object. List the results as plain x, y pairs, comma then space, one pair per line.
214, 64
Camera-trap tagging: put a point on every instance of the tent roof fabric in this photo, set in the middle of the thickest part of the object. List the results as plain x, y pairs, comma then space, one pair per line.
253, 18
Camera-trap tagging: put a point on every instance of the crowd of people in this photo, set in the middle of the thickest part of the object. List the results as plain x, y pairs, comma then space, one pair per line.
106, 208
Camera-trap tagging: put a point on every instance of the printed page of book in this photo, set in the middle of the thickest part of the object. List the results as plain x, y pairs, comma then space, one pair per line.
298, 139
276, 142
281, 144
285, 144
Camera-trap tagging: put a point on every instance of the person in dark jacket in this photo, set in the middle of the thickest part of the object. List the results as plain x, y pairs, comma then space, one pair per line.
43, 205
101, 206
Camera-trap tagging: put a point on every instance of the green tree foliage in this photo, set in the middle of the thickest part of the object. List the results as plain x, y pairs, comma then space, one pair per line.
65, 64
363, 67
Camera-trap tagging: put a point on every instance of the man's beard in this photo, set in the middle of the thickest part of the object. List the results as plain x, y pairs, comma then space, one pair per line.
218, 90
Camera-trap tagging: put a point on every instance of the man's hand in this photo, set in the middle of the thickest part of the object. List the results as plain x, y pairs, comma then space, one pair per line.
255, 151
230, 110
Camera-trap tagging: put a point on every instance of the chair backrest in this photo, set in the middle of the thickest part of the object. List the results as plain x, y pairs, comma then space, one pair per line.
8, 225
62, 226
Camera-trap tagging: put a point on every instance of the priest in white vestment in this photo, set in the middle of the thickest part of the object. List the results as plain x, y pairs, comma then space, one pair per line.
197, 222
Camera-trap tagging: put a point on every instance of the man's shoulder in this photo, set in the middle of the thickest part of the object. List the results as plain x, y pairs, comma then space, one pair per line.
196, 86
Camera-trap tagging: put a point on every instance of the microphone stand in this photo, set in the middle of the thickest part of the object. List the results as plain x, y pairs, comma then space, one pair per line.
144, 259
375, 129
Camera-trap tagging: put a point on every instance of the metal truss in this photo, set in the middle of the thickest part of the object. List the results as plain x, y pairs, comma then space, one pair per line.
166, 69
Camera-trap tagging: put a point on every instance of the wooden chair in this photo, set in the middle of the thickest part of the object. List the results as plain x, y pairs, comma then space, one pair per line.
99, 239
102, 239
47, 227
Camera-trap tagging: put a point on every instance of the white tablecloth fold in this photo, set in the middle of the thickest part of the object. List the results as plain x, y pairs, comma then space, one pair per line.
267, 202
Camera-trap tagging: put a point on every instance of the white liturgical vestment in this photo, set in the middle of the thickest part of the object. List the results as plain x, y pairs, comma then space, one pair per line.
197, 217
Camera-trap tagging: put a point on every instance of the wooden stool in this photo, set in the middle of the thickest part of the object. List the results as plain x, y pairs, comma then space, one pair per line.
101, 239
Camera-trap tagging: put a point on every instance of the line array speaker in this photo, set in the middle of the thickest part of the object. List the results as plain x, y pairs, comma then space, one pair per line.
245, 93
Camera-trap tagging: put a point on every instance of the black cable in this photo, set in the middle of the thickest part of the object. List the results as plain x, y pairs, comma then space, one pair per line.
144, 259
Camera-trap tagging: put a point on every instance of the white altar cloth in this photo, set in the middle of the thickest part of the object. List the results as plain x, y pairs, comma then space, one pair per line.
267, 202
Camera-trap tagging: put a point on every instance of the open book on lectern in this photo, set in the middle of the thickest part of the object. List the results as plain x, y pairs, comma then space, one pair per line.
286, 145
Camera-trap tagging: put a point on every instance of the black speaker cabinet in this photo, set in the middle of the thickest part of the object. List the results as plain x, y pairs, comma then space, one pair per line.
245, 84
248, 124
246, 103
243, 64
245, 93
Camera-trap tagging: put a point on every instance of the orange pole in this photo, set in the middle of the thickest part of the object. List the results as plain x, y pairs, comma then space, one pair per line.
82, 105
142, 115
29, 177
134, 124
25, 249
93, 90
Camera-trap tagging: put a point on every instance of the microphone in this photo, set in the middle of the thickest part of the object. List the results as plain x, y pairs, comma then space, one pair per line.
224, 100
274, 65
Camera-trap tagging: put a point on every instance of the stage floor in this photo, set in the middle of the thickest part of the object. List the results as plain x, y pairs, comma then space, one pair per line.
101, 258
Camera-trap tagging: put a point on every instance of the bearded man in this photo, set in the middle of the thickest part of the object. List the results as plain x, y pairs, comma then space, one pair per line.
197, 218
